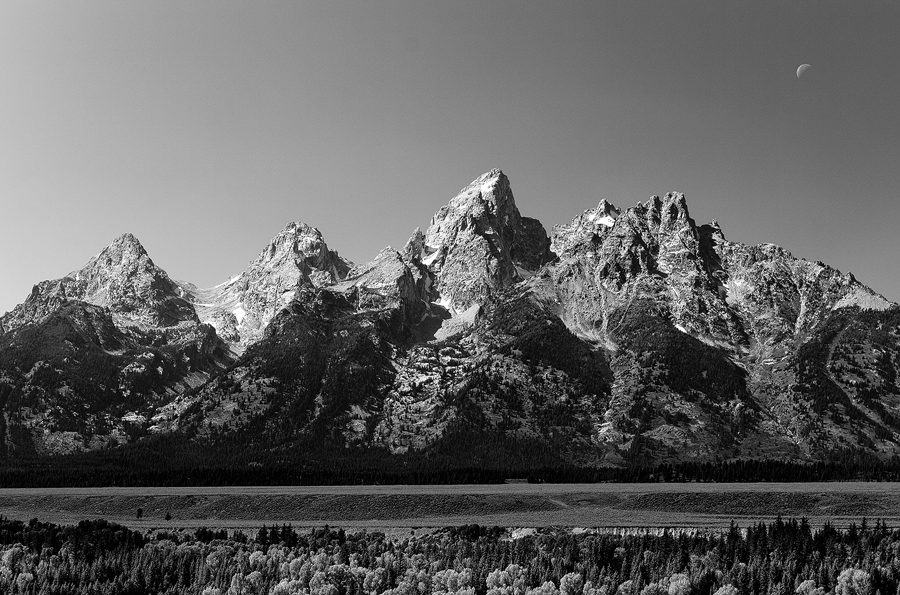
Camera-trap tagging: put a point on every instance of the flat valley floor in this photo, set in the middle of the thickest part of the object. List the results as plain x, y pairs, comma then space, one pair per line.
700, 505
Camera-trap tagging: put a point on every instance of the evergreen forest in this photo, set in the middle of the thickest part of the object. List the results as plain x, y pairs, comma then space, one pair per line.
458, 458
778, 558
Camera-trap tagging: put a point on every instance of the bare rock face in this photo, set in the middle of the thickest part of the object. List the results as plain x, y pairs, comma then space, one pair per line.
390, 282
479, 244
122, 278
240, 308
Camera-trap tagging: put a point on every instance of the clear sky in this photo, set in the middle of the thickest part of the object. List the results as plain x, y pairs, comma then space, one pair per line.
205, 127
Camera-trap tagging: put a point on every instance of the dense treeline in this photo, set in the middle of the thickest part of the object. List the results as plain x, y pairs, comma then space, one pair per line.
779, 558
686, 363
457, 459
847, 338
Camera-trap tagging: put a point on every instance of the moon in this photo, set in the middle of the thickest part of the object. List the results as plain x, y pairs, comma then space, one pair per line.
803, 68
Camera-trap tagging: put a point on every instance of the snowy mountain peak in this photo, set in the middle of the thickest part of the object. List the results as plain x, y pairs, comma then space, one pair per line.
484, 182
296, 237
128, 241
299, 229
606, 213
299, 250
489, 193
240, 308
479, 243
123, 278
123, 255
584, 227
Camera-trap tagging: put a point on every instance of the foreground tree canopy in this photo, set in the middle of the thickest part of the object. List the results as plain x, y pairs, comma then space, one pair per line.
778, 558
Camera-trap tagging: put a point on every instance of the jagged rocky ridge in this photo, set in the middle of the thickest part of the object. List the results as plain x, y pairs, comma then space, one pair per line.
630, 335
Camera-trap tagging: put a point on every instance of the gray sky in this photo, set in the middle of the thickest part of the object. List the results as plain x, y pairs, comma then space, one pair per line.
205, 127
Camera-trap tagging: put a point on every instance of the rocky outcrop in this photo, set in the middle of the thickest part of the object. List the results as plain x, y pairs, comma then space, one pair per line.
391, 283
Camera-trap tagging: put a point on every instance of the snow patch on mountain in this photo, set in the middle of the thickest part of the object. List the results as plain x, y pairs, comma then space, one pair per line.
863, 298
241, 307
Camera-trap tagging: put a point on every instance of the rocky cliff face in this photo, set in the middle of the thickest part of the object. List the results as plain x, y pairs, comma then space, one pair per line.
632, 335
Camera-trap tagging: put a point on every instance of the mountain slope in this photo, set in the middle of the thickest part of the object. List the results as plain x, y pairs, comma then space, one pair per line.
86, 360
647, 338
706, 335
628, 336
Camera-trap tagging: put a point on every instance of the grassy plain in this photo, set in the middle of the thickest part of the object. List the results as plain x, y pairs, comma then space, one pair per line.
511, 505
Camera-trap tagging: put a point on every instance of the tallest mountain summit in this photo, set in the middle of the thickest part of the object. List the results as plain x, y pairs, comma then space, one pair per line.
479, 243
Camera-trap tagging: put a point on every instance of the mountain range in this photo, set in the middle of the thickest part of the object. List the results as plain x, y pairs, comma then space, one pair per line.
626, 336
